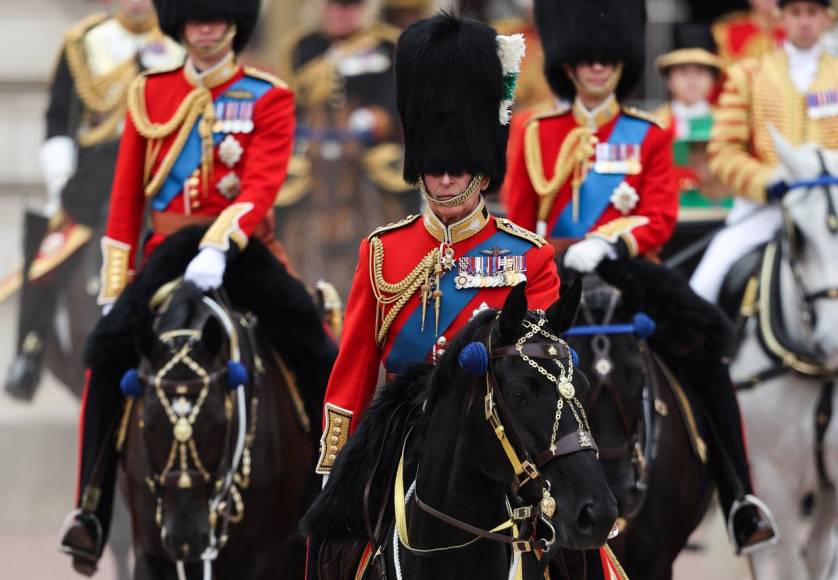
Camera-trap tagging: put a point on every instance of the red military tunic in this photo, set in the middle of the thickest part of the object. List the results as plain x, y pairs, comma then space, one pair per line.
621, 162
374, 334
198, 148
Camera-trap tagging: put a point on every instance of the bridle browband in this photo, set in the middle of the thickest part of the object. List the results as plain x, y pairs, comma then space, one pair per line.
523, 520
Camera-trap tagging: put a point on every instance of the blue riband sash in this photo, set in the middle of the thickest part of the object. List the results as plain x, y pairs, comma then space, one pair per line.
411, 345
190, 156
595, 193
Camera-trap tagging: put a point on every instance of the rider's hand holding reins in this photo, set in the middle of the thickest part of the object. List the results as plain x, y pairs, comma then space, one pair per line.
586, 255
206, 270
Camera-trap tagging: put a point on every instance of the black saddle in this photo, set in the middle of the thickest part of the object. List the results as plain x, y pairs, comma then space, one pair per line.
733, 287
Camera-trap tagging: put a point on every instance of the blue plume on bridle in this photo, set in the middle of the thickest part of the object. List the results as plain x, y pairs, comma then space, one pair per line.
642, 326
474, 358
130, 384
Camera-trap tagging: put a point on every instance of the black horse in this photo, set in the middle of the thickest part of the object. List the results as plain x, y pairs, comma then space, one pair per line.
641, 409
489, 442
218, 433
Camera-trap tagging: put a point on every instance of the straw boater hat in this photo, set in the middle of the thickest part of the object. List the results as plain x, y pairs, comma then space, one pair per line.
694, 44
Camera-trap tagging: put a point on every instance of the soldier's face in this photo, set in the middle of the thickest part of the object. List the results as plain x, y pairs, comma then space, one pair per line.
690, 83
446, 186
135, 8
204, 35
764, 6
805, 22
340, 20
594, 76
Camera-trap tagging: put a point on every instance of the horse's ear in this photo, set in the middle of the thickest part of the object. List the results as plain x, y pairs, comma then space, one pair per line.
513, 312
562, 313
212, 336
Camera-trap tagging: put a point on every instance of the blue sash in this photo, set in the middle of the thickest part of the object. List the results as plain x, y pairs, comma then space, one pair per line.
190, 156
412, 345
595, 193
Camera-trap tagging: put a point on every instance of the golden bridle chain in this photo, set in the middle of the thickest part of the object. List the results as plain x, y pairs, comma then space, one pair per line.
182, 426
564, 382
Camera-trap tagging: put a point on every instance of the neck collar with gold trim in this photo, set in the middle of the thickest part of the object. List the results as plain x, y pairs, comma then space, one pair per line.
458, 231
601, 115
219, 74
137, 24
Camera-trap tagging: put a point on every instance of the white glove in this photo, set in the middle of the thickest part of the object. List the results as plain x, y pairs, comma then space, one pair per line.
107, 308
206, 270
586, 255
58, 162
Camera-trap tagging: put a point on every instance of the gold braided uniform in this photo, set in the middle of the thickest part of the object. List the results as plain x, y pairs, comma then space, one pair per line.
758, 93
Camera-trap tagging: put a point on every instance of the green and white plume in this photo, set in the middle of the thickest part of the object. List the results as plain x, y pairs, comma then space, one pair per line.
510, 51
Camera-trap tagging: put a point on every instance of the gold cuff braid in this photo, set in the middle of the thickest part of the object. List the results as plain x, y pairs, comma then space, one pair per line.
226, 228
334, 437
114, 274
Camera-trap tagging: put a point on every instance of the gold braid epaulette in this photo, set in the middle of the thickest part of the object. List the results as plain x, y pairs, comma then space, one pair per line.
644, 116
103, 94
514, 229
197, 103
394, 226
265, 76
395, 294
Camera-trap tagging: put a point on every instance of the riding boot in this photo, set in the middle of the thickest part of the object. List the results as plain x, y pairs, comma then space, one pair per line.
750, 522
86, 530
25, 372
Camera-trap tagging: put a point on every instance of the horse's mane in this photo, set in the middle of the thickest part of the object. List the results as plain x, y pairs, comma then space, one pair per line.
405, 403
112, 342
685, 322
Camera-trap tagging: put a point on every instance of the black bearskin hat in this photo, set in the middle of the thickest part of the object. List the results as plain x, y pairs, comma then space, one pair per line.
580, 31
174, 14
449, 90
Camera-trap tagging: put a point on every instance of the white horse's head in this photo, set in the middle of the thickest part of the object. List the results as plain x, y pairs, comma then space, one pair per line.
812, 211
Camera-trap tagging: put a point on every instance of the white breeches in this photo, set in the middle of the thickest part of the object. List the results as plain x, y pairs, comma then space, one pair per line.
738, 238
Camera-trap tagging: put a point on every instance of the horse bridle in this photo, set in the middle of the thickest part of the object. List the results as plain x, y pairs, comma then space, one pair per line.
526, 467
599, 331
791, 247
225, 502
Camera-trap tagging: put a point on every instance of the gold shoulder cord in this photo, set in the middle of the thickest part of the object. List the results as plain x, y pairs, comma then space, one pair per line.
197, 103
574, 158
399, 293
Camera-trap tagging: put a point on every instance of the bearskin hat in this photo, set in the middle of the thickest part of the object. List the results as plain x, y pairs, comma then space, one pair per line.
580, 31
449, 89
174, 14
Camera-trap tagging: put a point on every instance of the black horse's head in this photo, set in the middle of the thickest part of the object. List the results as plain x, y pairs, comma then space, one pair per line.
615, 366
187, 423
529, 393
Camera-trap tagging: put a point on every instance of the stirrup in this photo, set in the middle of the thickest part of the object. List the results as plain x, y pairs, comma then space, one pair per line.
84, 518
762, 509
